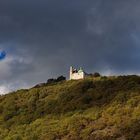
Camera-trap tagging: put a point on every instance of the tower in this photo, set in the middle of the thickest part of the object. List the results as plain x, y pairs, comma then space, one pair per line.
71, 72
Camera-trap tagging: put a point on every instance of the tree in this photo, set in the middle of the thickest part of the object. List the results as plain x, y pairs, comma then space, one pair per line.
61, 78
96, 74
49, 81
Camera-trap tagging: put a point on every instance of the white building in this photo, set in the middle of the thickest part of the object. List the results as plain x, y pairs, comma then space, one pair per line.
77, 74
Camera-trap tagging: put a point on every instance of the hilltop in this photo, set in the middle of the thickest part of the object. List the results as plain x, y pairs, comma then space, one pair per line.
103, 108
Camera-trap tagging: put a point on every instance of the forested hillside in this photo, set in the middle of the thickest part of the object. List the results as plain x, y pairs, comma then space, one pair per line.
103, 108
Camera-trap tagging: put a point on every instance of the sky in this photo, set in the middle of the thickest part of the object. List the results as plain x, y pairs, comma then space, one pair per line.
43, 38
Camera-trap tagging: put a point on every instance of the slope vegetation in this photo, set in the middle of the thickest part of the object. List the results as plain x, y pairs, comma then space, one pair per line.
106, 108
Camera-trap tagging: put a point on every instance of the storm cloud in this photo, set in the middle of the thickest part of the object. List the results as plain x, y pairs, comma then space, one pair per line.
43, 38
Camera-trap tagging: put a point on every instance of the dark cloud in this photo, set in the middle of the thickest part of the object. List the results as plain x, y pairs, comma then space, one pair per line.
43, 38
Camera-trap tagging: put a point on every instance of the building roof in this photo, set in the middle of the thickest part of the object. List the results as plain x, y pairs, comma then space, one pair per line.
80, 70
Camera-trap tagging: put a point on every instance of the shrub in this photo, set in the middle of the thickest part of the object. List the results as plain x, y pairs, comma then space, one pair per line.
96, 74
60, 78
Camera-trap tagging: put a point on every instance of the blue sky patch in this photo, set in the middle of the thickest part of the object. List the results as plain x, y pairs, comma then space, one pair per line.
2, 55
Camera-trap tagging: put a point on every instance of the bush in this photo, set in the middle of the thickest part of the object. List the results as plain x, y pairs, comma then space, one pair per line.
60, 78
50, 81
96, 74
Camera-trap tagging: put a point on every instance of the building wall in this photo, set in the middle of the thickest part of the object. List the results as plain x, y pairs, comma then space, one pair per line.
76, 76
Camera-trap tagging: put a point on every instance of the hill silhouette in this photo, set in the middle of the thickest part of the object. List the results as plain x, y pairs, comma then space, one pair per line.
102, 108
